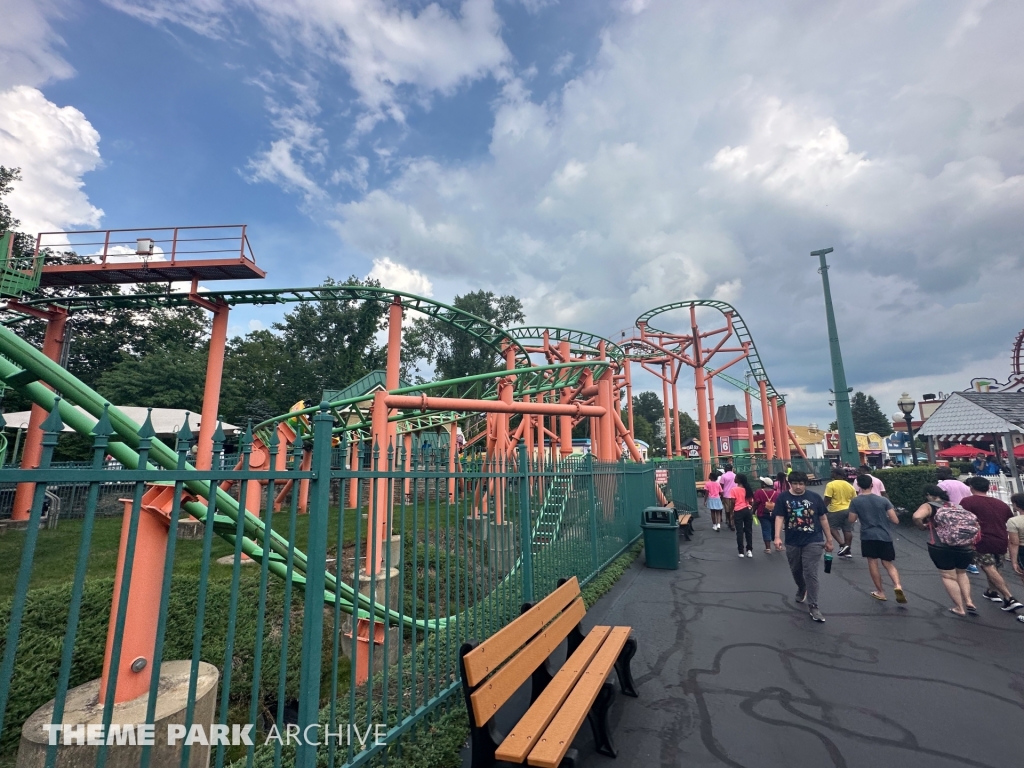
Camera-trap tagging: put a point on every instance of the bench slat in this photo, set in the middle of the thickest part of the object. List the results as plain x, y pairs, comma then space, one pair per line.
493, 652
566, 724
506, 681
523, 737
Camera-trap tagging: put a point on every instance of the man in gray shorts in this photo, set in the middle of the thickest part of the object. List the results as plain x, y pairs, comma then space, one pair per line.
838, 495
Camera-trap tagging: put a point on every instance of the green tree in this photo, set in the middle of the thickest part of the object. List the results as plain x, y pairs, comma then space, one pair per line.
455, 353
868, 416
167, 378
252, 378
688, 428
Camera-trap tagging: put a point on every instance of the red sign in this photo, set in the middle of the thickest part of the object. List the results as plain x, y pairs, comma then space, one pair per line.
832, 441
661, 476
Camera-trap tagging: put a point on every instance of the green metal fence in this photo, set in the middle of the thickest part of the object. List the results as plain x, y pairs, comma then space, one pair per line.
466, 549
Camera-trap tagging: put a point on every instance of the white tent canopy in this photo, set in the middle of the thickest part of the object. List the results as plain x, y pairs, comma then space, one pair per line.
166, 421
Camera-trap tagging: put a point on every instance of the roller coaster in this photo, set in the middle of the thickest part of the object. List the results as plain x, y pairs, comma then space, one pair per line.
552, 379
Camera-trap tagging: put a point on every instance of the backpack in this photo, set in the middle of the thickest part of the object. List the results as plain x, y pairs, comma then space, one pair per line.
954, 526
770, 504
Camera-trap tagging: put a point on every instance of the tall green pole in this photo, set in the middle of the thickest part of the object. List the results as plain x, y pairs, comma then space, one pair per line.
844, 416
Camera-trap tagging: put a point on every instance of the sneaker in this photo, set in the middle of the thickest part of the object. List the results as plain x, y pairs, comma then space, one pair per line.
1011, 605
1020, 619
972, 568
751, 554
801, 597
741, 554
991, 594
843, 550
848, 554
816, 615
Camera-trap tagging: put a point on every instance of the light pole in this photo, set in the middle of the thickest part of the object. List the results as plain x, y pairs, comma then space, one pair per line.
906, 404
844, 416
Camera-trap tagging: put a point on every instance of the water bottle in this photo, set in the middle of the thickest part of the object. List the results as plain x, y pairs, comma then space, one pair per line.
828, 562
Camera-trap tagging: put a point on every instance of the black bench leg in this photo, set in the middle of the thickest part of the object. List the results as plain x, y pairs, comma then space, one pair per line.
598, 717
622, 668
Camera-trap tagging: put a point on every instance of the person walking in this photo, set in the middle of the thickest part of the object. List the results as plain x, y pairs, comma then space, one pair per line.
764, 505
950, 545
804, 517
713, 488
1015, 536
728, 503
956, 490
990, 551
876, 516
781, 482
838, 495
743, 515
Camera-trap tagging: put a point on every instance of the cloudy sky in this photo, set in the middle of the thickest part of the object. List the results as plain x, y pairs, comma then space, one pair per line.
595, 157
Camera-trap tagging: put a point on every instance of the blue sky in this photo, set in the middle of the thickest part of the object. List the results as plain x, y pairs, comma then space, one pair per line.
595, 158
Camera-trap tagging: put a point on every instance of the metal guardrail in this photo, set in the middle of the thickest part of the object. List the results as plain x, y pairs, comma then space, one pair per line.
461, 560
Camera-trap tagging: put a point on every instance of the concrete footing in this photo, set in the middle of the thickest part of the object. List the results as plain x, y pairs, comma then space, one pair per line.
477, 528
386, 587
83, 708
501, 547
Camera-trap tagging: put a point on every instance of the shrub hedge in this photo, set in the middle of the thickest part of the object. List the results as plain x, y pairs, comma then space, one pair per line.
41, 638
904, 485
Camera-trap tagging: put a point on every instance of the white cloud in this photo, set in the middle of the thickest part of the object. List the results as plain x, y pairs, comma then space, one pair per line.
54, 147
400, 277
672, 169
29, 48
562, 63
383, 46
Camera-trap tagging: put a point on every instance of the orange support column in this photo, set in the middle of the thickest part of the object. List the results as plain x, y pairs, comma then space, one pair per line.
780, 440
142, 612
453, 457
668, 419
53, 343
700, 387
606, 423
784, 429
713, 420
674, 371
766, 420
750, 423
407, 464
211, 391
353, 486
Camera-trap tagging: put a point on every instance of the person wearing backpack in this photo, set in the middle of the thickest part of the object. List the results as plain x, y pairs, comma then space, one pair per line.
953, 531
764, 505
990, 550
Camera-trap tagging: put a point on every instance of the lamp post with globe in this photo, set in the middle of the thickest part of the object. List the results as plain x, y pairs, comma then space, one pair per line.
907, 404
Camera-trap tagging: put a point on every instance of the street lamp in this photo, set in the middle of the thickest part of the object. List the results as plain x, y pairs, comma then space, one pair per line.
907, 404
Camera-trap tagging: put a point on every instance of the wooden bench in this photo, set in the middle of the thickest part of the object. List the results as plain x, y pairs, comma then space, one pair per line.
492, 671
686, 524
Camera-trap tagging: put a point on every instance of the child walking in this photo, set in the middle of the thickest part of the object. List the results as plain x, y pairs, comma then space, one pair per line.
713, 488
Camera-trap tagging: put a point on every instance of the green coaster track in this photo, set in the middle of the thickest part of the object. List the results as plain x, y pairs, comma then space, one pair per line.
26, 369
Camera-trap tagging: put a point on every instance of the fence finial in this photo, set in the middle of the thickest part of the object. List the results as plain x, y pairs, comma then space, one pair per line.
147, 430
53, 422
103, 427
185, 433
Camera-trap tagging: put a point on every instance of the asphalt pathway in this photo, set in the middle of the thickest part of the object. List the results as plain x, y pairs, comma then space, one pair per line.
732, 671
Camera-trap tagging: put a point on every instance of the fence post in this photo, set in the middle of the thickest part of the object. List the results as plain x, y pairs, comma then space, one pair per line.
594, 558
316, 564
525, 524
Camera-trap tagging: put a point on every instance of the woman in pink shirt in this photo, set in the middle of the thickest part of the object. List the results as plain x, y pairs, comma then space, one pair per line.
714, 490
743, 515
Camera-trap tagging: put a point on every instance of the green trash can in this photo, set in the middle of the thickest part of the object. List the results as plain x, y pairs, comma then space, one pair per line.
661, 537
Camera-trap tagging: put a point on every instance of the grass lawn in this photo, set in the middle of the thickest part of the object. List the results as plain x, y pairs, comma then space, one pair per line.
56, 552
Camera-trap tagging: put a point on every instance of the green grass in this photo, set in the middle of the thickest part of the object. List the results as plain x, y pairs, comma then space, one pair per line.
56, 551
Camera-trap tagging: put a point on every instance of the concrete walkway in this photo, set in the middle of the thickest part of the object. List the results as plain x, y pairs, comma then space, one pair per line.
732, 671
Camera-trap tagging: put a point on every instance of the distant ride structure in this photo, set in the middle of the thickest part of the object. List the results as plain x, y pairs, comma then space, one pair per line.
552, 380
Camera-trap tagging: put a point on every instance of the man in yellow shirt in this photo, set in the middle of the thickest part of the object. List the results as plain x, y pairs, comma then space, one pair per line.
838, 495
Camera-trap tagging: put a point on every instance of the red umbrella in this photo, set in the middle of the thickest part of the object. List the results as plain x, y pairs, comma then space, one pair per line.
964, 452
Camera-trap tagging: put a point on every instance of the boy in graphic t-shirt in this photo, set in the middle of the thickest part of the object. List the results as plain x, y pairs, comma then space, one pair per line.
804, 517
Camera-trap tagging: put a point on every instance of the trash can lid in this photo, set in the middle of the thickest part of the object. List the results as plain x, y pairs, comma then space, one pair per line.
660, 515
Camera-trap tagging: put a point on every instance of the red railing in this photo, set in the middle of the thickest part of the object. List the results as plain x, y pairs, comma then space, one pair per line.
184, 243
